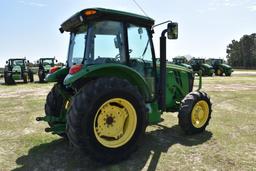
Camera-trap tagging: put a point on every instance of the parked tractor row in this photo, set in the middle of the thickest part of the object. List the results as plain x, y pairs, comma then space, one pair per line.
20, 69
205, 67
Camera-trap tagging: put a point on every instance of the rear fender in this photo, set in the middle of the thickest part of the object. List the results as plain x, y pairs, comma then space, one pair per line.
110, 70
58, 75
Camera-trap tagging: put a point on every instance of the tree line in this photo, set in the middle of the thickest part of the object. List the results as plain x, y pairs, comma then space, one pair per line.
242, 53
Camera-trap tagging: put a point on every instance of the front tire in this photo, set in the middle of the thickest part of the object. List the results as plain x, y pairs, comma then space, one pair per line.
219, 72
25, 78
228, 74
195, 112
31, 76
108, 118
41, 75
8, 79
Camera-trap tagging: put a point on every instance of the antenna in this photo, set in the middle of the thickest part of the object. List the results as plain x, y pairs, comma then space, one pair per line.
140, 7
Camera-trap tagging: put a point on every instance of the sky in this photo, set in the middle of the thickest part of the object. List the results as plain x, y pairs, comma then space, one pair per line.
29, 28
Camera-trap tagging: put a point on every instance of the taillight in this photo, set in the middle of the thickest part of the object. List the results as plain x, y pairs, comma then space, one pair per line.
54, 69
75, 68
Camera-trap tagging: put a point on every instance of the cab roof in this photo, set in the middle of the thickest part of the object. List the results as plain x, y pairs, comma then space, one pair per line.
97, 14
45, 58
13, 59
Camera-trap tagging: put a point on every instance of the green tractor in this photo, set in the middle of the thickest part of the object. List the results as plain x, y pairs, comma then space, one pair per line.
182, 61
44, 66
17, 69
200, 67
220, 67
112, 88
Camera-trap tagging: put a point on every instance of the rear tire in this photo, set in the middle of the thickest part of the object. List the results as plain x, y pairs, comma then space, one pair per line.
109, 98
195, 112
55, 103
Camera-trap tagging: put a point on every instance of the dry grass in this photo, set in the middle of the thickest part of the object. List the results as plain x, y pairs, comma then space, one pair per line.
228, 144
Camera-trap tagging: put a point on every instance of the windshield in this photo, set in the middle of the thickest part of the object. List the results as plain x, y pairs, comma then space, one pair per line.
47, 61
77, 46
179, 61
18, 62
218, 61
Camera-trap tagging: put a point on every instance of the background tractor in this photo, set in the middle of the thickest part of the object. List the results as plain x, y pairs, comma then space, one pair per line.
199, 66
44, 66
17, 69
182, 61
220, 67
112, 87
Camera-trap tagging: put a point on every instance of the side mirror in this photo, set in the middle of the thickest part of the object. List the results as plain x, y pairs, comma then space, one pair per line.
56, 61
172, 31
6, 62
27, 61
37, 62
116, 42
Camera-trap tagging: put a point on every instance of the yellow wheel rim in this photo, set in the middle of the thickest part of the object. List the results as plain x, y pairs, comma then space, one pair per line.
218, 71
200, 114
115, 123
67, 104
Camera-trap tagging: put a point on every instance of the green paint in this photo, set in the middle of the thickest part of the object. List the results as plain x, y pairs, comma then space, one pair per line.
60, 74
154, 113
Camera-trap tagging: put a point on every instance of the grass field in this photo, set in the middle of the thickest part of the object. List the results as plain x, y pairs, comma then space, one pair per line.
228, 144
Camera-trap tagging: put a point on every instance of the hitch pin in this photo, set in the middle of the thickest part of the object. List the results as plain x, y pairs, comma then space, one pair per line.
39, 118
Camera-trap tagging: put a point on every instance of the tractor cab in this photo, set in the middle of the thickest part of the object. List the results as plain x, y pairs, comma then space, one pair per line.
109, 37
182, 61
17, 63
47, 61
44, 66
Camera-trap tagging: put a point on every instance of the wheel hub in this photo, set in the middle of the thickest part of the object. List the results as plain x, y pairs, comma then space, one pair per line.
115, 122
109, 120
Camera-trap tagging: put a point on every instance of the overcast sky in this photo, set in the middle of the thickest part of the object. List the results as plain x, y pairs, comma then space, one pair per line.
30, 27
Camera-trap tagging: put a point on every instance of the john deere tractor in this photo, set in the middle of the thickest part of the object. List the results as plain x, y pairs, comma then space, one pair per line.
199, 66
182, 61
44, 66
112, 88
220, 67
17, 69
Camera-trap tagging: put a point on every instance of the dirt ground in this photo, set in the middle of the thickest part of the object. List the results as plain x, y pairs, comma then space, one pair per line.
229, 142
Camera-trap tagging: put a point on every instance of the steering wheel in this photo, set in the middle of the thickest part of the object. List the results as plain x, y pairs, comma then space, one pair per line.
118, 56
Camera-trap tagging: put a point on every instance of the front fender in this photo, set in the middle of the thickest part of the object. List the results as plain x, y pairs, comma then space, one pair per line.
111, 70
60, 74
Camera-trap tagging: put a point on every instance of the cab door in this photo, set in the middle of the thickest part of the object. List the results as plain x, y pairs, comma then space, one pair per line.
141, 54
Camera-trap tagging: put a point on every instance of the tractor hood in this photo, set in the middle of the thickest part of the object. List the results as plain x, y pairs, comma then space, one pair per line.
186, 65
207, 66
47, 67
226, 66
16, 68
178, 67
